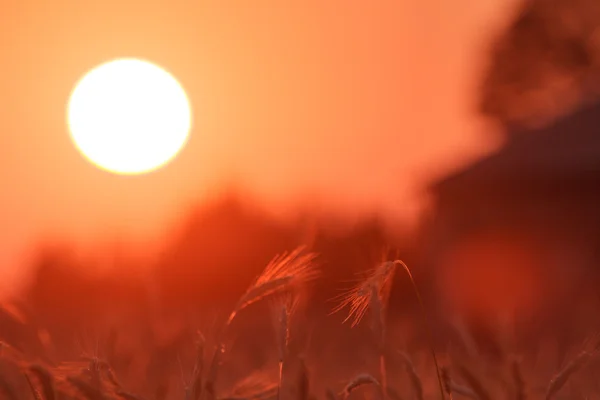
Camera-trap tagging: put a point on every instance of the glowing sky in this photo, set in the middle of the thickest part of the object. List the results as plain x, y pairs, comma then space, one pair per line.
352, 105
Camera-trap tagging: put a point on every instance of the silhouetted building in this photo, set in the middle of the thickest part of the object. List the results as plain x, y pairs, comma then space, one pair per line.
517, 234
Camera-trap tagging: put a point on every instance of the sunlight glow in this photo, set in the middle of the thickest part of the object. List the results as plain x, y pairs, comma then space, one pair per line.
129, 116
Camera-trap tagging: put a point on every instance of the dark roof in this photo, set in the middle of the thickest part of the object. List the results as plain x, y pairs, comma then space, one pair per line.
567, 149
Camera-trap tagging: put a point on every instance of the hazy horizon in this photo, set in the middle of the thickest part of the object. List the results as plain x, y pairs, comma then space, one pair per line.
313, 103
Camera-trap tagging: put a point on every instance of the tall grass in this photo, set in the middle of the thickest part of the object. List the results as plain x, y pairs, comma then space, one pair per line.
282, 282
373, 293
283, 277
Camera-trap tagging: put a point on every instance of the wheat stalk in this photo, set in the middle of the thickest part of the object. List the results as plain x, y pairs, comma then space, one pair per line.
561, 378
283, 275
373, 293
282, 312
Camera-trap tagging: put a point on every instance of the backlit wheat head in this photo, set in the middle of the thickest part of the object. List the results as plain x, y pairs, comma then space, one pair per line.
373, 291
282, 274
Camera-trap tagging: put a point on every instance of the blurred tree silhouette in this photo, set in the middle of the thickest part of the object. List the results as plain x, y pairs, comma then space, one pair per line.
544, 64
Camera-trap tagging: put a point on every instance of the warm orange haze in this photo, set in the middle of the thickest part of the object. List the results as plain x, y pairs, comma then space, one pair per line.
307, 200
129, 116
290, 103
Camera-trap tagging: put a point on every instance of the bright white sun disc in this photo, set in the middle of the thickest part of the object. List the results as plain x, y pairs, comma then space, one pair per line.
129, 116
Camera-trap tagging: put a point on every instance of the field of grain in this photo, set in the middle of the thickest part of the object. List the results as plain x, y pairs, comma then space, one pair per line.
269, 347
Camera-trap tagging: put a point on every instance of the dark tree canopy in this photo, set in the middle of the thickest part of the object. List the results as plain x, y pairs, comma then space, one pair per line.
544, 64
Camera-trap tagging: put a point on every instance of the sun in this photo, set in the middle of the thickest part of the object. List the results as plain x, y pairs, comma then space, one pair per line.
129, 116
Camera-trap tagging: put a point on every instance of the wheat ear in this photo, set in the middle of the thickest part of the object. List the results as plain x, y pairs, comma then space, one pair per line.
284, 274
373, 292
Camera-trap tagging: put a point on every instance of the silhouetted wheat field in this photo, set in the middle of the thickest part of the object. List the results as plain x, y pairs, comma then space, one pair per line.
202, 364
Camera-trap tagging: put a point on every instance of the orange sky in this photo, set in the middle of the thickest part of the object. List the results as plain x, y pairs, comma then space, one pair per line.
329, 100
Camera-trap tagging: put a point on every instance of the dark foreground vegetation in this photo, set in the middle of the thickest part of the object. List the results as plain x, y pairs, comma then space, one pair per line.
228, 320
